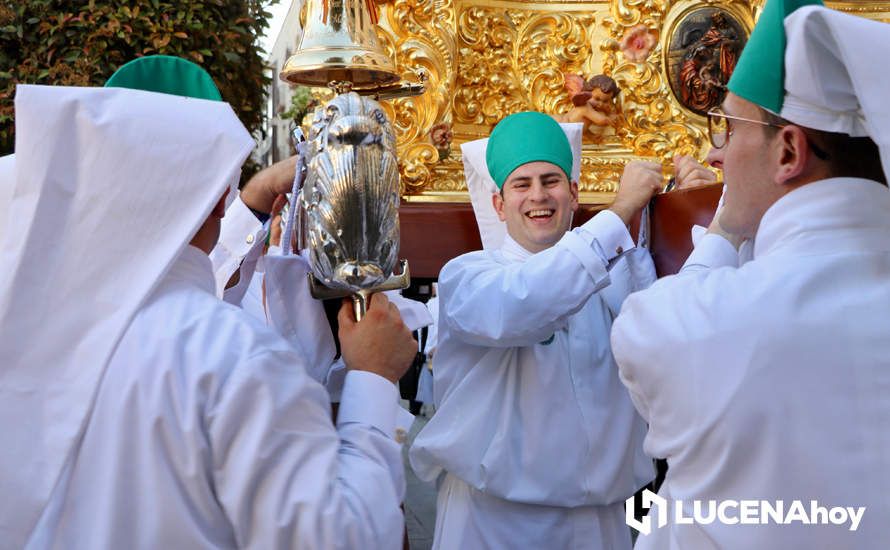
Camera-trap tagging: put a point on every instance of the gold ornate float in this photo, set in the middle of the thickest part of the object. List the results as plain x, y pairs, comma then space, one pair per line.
485, 59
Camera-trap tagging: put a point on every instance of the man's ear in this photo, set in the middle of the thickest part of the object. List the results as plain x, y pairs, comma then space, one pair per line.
573, 188
219, 210
792, 151
498, 202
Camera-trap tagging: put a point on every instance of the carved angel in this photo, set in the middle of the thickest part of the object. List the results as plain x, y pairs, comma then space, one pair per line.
593, 101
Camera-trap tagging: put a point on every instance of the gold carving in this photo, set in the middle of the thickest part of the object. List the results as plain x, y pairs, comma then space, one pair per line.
879, 11
657, 126
420, 34
485, 59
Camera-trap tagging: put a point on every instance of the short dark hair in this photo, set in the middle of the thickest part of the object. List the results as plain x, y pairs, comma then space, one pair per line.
846, 156
605, 84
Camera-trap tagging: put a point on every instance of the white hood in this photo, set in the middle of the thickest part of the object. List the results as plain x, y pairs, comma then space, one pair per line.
110, 185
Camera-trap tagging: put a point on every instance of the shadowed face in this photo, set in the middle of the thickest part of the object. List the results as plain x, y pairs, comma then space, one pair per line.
537, 204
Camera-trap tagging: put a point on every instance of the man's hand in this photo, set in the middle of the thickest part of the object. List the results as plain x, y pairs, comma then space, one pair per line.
275, 230
717, 229
268, 183
380, 342
640, 181
688, 173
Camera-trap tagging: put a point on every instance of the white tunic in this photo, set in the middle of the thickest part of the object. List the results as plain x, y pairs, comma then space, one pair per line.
208, 433
539, 438
772, 381
432, 337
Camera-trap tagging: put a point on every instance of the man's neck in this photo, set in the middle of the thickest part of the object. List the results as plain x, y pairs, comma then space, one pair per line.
511, 247
207, 236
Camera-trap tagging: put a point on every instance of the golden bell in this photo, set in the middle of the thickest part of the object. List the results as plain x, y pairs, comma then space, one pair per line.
339, 44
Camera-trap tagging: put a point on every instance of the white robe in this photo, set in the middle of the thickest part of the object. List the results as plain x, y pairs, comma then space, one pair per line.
432, 337
425, 383
772, 381
124, 172
7, 186
539, 439
208, 433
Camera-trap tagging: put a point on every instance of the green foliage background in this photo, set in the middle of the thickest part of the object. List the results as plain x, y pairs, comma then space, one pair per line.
81, 43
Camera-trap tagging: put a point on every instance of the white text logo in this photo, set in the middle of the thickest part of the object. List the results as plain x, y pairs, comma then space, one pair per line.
740, 512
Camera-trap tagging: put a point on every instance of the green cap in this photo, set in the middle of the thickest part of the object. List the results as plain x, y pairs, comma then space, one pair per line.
759, 75
165, 74
526, 137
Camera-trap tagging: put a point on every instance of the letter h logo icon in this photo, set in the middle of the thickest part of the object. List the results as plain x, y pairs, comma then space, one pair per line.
648, 499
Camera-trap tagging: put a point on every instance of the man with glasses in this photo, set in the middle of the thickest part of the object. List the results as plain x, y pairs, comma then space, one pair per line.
767, 386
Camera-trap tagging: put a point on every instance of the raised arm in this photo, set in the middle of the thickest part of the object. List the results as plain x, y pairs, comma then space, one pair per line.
242, 234
484, 302
285, 477
488, 303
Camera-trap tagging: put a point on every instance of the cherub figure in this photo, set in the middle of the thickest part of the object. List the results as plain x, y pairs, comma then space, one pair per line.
593, 100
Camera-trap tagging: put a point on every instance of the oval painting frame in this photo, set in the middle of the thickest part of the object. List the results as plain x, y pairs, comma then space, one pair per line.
700, 54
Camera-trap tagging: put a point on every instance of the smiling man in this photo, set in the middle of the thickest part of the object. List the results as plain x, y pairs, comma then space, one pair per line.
769, 381
534, 441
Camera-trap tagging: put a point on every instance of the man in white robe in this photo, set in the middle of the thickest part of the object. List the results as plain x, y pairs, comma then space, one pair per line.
535, 444
140, 411
769, 382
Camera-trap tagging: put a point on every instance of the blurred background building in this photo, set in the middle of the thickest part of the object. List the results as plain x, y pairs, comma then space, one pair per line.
284, 33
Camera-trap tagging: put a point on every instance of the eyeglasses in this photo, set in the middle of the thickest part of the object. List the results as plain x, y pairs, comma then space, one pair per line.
719, 131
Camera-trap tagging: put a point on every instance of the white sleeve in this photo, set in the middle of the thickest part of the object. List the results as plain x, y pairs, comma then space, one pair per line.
608, 233
667, 340
715, 253
414, 313
287, 478
710, 252
432, 338
490, 304
631, 271
335, 379
241, 235
295, 314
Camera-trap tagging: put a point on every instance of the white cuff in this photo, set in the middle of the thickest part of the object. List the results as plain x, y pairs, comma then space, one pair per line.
247, 268
590, 255
241, 231
369, 399
697, 232
712, 251
610, 233
241, 228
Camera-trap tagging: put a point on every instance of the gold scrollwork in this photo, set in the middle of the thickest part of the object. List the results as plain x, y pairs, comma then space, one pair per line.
419, 35
485, 59
657, 125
